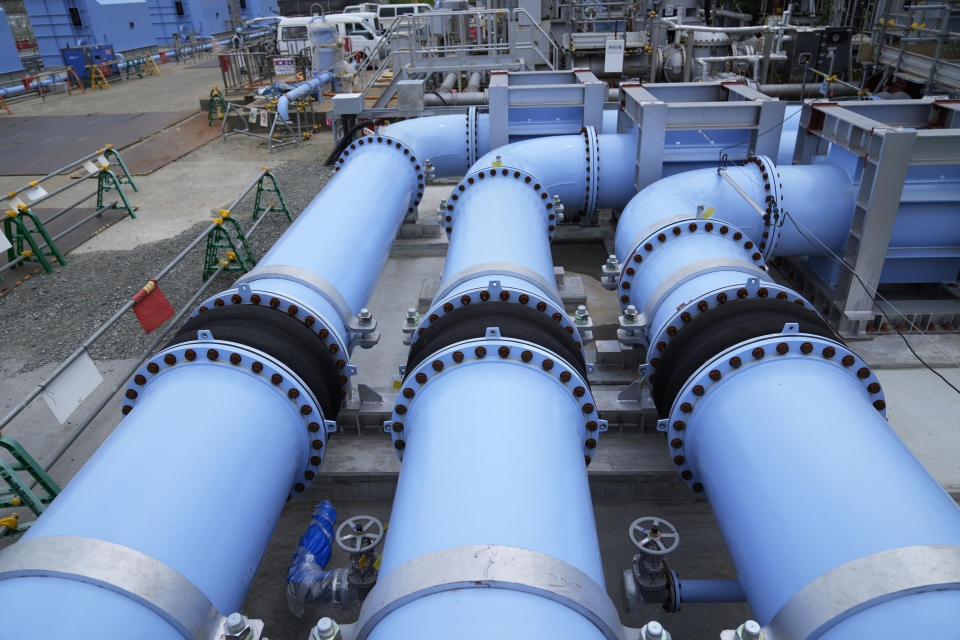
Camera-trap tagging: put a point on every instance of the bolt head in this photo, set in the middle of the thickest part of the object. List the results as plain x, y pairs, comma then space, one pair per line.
324, 625
653, 630
750, 630
236, 623
582, 315
412, 317
631, 314
612, 262
364, 316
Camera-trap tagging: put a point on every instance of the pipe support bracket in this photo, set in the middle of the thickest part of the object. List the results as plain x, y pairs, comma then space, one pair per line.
119, 569
490, 567
863, 583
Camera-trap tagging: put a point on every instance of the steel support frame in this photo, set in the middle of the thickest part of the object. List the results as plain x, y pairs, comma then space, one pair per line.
544, 88
885, 135
655, 108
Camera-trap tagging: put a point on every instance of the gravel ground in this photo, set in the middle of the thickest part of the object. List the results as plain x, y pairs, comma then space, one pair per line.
47, 317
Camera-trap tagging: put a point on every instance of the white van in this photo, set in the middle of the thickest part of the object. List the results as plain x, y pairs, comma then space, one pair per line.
363, 7
359, 28
389, 13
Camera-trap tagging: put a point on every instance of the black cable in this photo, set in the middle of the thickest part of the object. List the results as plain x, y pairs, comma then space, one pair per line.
441, 98
833, 257
759, 135
347, 138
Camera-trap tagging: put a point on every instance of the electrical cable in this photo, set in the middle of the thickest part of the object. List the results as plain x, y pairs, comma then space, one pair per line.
826, 251
779, 125
441, 98
347, 139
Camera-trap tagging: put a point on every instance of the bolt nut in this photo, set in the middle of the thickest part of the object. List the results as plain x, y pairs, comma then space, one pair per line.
653, 630
365, 316
325, 629
612, 263
582, 316
631, 315
413, 318
237, 627
750, 630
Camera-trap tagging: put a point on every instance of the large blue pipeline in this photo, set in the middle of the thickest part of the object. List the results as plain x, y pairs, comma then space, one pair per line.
795, 455
835, 529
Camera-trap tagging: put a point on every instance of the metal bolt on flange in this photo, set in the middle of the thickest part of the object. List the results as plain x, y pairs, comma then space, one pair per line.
413, 318
237, 627
653, 630
750, 630
325, 629
364, 316
631, 315
582, 316
610, 272
558, 208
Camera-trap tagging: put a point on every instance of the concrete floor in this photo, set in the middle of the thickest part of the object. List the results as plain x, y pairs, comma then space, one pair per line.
631, 475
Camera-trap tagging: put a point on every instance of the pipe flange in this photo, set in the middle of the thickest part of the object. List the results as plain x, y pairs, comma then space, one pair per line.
271, 372
493, 346
591, 185
499, 173
680, 229
245, 294
752, 288
357, 146
494, 292
714, 372
473, 143
773, 198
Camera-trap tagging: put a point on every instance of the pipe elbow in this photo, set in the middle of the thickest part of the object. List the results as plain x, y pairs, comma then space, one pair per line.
283, 107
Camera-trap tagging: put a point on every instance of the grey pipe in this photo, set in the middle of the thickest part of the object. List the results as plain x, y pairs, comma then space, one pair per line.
474, 83
796, 90
472, 98
449, 82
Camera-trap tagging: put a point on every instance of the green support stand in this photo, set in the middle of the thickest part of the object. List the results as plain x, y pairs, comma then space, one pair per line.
107, 181
23, 239
259, 207
135, 66
230, 249
216, 108
18, 493
126, 178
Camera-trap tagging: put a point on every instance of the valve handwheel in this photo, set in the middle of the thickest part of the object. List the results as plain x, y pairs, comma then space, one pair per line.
359, 534
654, 536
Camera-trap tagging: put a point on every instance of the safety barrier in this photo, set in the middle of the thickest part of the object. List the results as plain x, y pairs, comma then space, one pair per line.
18, 492
216, 107
27, 239
278, 131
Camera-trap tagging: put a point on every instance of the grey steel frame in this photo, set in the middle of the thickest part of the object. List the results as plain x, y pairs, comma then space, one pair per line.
540, 88
888, 138
655, 108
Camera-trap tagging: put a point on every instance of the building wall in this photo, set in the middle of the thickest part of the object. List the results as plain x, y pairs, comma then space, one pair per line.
9, 57
124, 24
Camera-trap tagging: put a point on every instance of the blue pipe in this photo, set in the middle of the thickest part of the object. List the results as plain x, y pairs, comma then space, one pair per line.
471, 476
795, 456
486, 482
821, 198
310, 87
441, 140
820, 507
171, 474
176, 463
693, 591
